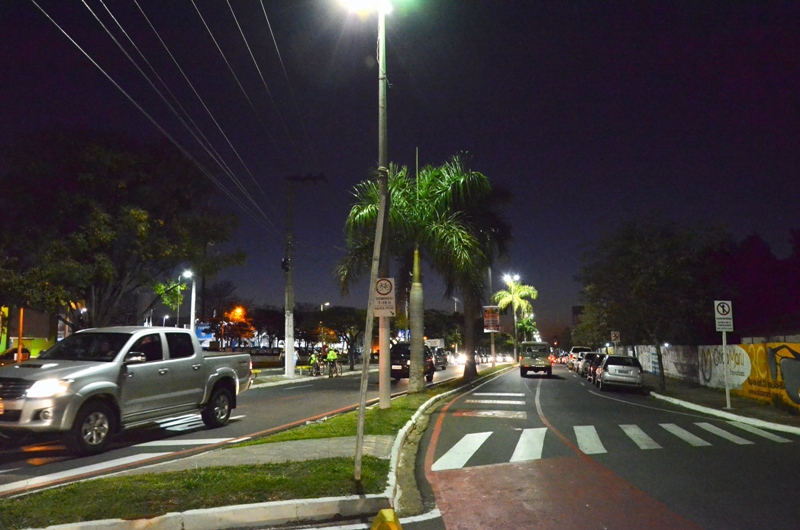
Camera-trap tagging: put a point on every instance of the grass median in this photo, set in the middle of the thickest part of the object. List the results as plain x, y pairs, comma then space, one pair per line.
153, 494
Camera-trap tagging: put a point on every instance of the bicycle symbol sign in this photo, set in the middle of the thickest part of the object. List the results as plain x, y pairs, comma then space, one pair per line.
384, 286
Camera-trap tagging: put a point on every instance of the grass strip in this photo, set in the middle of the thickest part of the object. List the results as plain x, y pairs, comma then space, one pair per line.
153, 494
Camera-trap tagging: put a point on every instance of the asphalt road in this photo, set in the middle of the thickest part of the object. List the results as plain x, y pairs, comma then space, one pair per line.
31, 464
558, 453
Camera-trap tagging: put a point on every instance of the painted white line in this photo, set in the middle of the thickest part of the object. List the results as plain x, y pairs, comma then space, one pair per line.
503, 394
298, 386
9, 470
35, 481
495, 401
723, 433
530, 444
460, 453
639, 437
179, 422
170, 443
588, 440
685, 435
760, 432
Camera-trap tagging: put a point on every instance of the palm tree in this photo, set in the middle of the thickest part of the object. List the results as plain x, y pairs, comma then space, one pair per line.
431, 218
517, 297
528, 326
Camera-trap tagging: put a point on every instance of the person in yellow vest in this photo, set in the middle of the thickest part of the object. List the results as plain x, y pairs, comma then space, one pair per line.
332, 358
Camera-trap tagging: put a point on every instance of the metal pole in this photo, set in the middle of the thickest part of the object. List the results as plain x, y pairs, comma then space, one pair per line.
384, 366
379, 261
491, 334
192, 310
288, 267
725, 368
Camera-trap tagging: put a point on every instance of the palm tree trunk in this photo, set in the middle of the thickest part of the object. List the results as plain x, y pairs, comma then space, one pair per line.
470, 368
416, 309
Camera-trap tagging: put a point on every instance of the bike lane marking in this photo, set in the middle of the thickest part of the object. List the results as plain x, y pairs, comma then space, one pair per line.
555, 493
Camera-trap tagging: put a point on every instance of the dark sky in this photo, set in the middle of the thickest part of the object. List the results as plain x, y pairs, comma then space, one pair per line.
591, 113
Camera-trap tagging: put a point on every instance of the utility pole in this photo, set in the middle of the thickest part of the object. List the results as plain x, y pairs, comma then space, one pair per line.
288, 268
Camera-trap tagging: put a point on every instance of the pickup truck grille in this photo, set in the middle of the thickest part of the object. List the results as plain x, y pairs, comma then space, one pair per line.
12, 388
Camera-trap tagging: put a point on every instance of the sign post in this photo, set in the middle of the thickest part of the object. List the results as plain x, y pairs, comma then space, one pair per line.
723, 315
615, 340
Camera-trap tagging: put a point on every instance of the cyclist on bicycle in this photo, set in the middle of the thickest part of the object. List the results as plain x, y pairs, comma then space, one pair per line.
312, 361
332, 358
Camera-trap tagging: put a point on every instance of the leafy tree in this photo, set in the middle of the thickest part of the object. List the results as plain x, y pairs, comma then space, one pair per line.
527, 325
653, 280
269, 322
347, 323
105, 218
432, 219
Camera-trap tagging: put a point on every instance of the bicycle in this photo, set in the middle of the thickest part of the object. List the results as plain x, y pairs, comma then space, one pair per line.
334, 369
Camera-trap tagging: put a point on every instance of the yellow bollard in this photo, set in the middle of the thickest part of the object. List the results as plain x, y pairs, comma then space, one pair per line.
386, 520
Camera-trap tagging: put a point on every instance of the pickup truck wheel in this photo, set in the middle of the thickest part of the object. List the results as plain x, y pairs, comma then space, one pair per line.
218, 409
92, 429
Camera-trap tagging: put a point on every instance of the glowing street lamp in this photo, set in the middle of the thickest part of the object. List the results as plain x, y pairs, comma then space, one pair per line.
164, 321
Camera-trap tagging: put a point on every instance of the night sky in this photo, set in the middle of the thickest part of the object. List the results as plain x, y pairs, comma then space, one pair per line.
591, 113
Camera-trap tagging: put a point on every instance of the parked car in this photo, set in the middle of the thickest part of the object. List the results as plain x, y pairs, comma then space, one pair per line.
594, 364
100, 381
620, 370
535, 357
400, 355
10, 356
440, 358
575, 355
583, 365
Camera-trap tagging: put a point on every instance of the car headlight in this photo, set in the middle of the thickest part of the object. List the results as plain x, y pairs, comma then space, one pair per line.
47, 388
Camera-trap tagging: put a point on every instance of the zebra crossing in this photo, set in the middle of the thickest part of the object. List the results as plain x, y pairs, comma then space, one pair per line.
531, 443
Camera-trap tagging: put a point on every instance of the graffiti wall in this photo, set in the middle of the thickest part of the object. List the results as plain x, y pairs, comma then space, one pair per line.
765, 372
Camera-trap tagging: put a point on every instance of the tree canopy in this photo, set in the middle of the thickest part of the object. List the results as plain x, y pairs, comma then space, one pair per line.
100, 219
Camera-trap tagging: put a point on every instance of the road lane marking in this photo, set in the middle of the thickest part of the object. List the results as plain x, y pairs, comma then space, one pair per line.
495, 401
460, 453
505, 414
760, 432
36, 481
500, 394
165, 443
530, 444
588, 440
723, 433
685, 435
639, 437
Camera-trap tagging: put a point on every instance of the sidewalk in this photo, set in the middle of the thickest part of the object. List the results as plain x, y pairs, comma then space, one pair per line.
271, 514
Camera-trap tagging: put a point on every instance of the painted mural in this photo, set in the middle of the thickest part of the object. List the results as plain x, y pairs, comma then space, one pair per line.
765, 372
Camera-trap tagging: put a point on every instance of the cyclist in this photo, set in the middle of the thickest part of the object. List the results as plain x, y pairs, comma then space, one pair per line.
312, 361
332, 358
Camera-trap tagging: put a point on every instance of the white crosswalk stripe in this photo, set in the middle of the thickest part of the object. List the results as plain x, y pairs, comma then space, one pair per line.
723, 433
685, 435
588, 440
531, 442
530, 445
460, 453
639, 437
760, 432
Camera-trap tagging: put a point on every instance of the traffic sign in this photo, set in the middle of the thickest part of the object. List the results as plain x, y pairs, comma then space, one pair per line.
384, 297
615, 336
723, 314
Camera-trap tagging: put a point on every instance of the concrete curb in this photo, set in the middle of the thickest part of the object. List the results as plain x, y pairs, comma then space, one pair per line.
729, 415
274, 513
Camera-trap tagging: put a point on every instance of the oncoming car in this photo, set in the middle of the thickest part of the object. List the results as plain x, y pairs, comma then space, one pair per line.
535, 357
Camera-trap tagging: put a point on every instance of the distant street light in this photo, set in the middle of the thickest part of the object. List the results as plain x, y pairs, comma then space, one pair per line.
323, 306
511, 281
190, 274
164, 321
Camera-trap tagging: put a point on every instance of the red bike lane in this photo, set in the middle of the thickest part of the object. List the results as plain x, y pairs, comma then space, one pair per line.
573, 492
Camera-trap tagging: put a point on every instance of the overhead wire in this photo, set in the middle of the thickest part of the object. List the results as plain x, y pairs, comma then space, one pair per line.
213, 118
204, 142
152, 120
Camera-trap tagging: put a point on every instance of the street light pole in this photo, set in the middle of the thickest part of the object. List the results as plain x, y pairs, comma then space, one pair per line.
190, 274
511, 281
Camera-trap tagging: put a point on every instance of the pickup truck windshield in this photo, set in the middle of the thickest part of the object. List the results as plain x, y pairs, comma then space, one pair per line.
100, 347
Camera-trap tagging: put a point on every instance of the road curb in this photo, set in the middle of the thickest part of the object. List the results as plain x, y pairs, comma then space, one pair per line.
729, 415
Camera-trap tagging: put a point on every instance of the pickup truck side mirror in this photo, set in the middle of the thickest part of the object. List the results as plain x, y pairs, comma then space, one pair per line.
135, 357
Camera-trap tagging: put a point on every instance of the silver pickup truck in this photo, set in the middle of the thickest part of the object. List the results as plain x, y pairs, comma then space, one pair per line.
99, 381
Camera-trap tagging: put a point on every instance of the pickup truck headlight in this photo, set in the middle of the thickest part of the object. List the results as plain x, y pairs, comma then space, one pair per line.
47, 388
